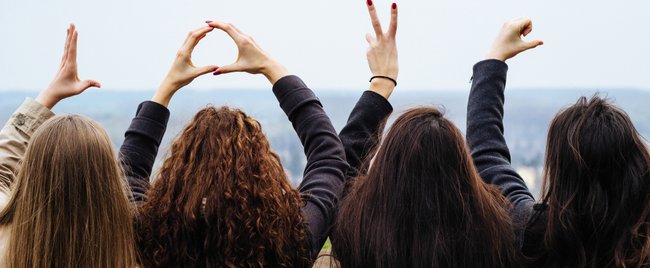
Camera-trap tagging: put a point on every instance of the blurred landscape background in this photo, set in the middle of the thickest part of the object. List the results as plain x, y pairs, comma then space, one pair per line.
528, 113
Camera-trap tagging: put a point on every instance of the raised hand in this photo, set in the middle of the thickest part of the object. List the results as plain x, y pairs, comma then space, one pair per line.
382, 53
251, 58
183, 70
66, 83
509, 42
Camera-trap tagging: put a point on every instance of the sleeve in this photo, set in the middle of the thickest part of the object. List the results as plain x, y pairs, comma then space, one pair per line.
15, 136
324, 174
485, 135
361, 133
140, 147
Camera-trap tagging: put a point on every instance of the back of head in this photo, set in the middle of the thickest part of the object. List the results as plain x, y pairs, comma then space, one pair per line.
221, 199
69, 207
597, 183
422, 204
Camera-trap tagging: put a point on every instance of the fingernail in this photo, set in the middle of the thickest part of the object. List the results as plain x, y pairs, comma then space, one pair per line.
369, 2
216, 73
394, 6
208, 21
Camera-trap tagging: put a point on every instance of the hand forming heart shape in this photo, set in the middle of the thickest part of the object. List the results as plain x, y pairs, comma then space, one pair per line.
251, 59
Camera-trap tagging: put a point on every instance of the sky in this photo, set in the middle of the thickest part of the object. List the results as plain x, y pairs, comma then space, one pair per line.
129, 45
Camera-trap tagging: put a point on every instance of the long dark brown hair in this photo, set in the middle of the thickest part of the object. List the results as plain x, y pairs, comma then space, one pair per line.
597, 189
222, 199
423, 204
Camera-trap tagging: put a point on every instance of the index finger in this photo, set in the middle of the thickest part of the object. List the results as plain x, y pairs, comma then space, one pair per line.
65, 48
194, 37
230, 29
376, 25
525, 25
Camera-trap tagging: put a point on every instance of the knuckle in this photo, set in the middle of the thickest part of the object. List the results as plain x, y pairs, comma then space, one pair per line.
247, 40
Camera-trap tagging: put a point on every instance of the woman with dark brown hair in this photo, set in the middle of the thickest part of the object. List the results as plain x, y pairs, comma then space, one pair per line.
595, 205
418, 200
222, 198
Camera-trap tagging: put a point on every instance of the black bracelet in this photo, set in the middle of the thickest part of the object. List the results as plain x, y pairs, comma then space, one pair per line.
385, 77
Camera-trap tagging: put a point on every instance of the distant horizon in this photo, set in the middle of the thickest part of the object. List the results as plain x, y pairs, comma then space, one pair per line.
344, 90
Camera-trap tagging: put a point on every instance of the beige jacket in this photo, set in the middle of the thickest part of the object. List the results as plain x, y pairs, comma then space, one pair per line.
14, 138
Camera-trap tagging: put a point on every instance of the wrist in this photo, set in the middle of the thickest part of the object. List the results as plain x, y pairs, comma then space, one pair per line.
383, 87
46, 100
273, 71
164, 94
495, 56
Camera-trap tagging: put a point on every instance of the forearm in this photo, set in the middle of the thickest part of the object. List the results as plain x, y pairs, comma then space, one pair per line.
324, 173
140, 147
485, 131
362, 131
15, 136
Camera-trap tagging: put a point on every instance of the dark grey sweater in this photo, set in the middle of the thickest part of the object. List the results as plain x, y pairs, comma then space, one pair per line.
488, 145
323, 179
362, 131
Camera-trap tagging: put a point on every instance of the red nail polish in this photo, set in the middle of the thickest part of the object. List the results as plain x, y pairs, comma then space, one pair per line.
208, 21
394, 6
216, 73
369, 2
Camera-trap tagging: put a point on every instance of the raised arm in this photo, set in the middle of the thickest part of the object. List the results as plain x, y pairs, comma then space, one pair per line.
15, 135
142, 138
324, 174
361, 133
485, 114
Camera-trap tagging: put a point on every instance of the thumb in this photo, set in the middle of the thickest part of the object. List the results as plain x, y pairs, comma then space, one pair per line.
87, 84
235, 67
369, 38
206, 69
533, 44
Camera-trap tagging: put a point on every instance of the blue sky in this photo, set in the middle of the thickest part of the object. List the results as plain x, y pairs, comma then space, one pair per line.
130, 44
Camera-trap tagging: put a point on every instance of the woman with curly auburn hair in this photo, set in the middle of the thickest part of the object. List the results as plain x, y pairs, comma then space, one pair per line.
222, 194
222, 198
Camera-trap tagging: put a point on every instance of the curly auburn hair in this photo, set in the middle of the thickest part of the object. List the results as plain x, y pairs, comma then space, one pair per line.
222, 199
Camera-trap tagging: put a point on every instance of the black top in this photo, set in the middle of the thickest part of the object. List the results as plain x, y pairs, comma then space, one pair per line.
141, 141
490, 152
323, 178
362, 131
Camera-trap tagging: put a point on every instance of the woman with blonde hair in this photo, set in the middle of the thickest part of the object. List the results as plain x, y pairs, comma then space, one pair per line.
62, 192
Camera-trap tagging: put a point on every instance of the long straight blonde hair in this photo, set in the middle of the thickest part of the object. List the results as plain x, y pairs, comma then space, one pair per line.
69, 207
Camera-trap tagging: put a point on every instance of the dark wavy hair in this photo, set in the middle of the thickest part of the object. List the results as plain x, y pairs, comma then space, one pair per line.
423, 204
597, 189
222, 199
